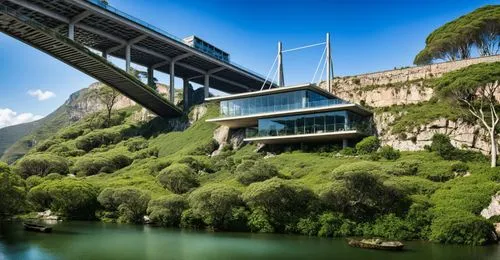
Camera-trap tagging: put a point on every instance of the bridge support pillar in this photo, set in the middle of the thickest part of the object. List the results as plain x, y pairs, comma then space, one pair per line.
127, 58
151, 77
71, 31
185, 94
172, 82
206, 85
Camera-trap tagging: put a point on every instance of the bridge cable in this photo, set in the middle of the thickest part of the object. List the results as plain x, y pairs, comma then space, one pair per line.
319, 64
303, 47
269, 73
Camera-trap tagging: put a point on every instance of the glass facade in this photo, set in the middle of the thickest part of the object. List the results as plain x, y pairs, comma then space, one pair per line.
276, 102
335, 121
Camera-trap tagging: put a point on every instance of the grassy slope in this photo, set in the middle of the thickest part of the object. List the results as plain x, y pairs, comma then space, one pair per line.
11, 134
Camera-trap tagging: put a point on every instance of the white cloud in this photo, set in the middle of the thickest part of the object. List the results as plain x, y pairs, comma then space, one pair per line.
9, 117
41, 95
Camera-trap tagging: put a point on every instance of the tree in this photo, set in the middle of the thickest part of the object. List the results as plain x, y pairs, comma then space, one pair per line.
476, 88
167, 210
215, 204
129, 203
12, 192
455, 39
178, 178
108, 97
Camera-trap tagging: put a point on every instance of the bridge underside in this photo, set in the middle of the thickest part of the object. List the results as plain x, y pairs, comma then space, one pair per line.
84, 60
114, 33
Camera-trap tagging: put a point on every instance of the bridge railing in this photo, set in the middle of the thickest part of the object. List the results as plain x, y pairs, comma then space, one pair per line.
163, 32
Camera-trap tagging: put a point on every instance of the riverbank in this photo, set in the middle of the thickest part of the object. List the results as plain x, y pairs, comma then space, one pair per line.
97, 240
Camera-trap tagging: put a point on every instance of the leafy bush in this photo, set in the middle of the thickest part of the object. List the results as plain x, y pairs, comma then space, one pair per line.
348, 151
136, 144
362, 166
308, 226
72, 198
207, 148
368, 145
147, 153
42, 164
361, 196
335, 225
167, 210
389, 153
129, 204
413, 185
191, 220
391, 227
12, 192
216, 203
98, 138
92, 165
69, 133
250, 171
442, 146
45, 145
53, 176
404, 168
281, 202
33, 181
459, 167
194, 164
178, 178
460, 227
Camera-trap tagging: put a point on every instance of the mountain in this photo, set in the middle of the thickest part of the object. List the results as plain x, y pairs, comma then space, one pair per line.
9, 135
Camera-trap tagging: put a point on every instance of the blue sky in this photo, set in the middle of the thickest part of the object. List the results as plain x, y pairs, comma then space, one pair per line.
366, 36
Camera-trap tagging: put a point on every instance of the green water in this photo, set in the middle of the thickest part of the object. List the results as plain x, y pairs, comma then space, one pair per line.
94, 240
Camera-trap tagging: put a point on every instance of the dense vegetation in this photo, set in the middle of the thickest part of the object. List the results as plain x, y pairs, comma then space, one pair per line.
479, 29
131, 169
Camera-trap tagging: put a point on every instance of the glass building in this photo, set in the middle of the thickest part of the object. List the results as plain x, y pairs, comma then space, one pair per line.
293, 114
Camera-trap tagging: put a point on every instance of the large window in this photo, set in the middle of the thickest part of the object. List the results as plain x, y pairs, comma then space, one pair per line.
275, 102
313, 124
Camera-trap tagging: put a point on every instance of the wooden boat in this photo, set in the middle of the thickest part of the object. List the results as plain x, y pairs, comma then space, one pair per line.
376, 244
37, 228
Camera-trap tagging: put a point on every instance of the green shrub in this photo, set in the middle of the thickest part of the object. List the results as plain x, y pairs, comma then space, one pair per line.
335, 225
191, 220
362, 166
92, 165
129, 204
120, 161
12, 192
207, 148
389, 153
158, 165
147, 153
391, 227
404, 168
281, 201
308, 226
215, 204
259, 221
98, 138
193, 163
442, 146
460, 227
361, 196
53, 176
348, 151
33, 181
459, 167
368, 145
413, 185
178, 178
42, 164
45, 145
167, 210
71, 198
69, 133
250, 171
136, 144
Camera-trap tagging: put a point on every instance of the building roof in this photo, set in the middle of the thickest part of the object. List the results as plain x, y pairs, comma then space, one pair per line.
307, 86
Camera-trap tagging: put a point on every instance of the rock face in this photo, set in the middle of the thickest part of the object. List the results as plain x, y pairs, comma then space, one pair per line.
406, 86
493, 209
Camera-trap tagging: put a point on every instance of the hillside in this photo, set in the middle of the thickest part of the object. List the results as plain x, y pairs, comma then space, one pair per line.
9, 135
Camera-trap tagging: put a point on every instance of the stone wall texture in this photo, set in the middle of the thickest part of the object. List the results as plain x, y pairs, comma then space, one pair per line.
403, 87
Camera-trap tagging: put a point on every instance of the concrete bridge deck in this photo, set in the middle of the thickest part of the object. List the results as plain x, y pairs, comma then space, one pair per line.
65, 26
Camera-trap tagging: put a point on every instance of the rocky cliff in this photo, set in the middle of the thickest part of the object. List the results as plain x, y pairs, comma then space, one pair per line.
403, 87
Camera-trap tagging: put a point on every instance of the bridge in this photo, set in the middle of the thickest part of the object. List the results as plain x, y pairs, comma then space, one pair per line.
84, 33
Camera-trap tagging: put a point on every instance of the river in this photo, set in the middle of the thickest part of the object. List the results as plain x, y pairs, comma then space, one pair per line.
96, 240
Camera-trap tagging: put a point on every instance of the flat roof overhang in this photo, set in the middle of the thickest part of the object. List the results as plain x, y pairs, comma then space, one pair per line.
252, 120
307, 86
317, 137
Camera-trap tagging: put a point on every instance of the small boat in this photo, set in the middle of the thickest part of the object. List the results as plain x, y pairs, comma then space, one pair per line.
37, 228
378, 244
